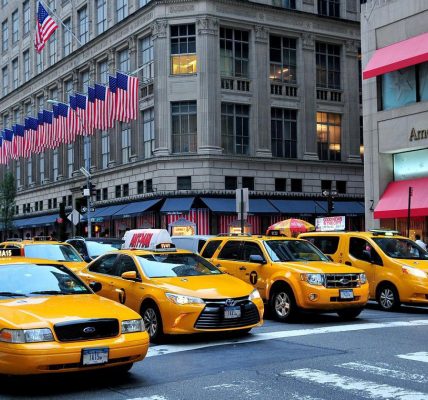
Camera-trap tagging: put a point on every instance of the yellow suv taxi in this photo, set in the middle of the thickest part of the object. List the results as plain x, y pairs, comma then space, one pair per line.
175, 291
395, 266
290, 274
46, 248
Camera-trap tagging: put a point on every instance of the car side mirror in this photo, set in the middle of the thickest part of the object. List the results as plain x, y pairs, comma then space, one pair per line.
257, 258
130, 276
86, 258
95, 286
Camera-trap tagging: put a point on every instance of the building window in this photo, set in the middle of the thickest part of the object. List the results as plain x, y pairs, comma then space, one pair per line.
280, 185
291, 4
296, 185
149, 185
125, 190
105, 193
29, 171
183, 49
68, 89
26, 61
248, 182
121, 9
149, 131
105, 149
5, 36
42, 167
39, 63
98, 195
15, 27
341, 187
235, 132
82, 17
140, 187
55, 203
117, 191
230, 182
184, 183
123, 60
282, 59
66, 37
84, 81
15, 74
233, 52
143, 2
103, 72
328, 65
125, 142
5, 81
284, 132
325, 185
55, 164
70, 159
49, 204
329, 132
101, 7
26, 17
52, 50
70, 200
18, 173
329, 8
146, 59
184, 129
36, 206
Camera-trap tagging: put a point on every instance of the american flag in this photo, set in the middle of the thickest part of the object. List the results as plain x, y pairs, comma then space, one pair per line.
91, 113
83, 112
112, 84
127, 97
75, 124
64, 123
56, 126
18, 136
47, 119
46, 26
31, 125
41, 133
104, 104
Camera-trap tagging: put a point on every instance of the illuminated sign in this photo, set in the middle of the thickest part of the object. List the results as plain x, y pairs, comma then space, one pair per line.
183, 230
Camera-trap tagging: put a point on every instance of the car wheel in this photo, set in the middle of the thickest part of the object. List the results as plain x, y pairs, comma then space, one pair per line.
387, 297
350, 313
282, 304
152, 321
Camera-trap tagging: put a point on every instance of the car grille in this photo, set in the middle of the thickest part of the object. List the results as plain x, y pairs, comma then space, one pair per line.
212, 317
342, 280
86, 329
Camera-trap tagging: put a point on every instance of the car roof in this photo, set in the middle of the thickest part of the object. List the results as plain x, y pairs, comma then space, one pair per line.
253, 237
31, 241
137, 252
371, 234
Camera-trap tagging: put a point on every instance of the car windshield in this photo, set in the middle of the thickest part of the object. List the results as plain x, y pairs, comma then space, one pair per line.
95, 249
293, 250
401, 248
173, 265
18, 280
57, 252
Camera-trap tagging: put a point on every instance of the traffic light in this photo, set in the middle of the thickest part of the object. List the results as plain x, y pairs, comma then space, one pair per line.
97, 228
80, 202
62, 213
93, 189
330, 204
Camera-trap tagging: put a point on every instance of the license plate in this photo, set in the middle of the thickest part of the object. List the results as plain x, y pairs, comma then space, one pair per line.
94, 356
232, 312
347, 294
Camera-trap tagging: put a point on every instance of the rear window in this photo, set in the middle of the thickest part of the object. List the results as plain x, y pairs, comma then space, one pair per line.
210, 249
327, 244
57, 252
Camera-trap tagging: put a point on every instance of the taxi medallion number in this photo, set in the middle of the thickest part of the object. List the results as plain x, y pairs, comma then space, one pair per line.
232, 312
95, 356
347, 294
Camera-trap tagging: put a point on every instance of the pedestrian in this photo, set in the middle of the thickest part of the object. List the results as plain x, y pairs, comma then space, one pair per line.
419, 242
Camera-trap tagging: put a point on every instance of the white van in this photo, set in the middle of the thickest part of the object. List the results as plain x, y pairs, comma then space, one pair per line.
193, 243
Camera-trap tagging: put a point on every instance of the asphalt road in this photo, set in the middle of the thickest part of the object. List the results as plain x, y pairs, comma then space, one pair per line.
379, 356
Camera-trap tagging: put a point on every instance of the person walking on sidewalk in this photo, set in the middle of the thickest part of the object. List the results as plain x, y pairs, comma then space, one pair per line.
419, 242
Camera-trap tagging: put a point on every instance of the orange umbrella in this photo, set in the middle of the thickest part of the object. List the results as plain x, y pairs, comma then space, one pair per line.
290, 227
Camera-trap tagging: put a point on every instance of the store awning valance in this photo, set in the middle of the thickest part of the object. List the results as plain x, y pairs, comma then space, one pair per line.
398, 55
394, 200
227, 205
42, 220
177, 204
296, 206
135, 208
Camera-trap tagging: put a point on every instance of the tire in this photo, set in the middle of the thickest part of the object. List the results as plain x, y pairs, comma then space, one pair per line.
387, 297
349, 313
152, 321
282, 304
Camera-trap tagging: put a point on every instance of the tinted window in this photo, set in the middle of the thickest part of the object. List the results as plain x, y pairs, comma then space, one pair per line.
401, 248
251, 249
363, 250
327, 244
211, 248
125, 264
231, 251
201, 244
78, 245
104, 265
293, 250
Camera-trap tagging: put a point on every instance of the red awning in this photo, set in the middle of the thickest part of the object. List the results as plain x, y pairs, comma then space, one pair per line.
398, 55
394, 201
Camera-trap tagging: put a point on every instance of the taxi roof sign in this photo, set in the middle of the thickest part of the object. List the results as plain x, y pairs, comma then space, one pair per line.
10, 253
150, 239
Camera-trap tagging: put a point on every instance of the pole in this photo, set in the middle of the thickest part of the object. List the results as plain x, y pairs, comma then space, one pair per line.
242, 210
87, 147
408, 210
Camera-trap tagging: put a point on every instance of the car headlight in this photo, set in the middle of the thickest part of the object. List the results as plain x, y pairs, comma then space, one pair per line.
26, 335
313, 279
132, 325
254, 295
363, 279
180, 299
414, 271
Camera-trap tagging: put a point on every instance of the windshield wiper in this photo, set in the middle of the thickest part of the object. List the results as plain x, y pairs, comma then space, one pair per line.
48, 292
11, 294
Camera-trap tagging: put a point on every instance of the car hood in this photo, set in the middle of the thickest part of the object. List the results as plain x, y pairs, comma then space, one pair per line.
75, 266
320, 267
43, 311
206, 286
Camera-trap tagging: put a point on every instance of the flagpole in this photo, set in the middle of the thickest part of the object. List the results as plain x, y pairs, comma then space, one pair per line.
62, 23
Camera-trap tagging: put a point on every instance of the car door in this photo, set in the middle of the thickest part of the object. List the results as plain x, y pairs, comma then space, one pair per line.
253, 272
229, 258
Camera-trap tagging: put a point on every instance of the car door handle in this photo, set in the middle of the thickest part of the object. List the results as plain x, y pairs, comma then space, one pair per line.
242, 269
348, 263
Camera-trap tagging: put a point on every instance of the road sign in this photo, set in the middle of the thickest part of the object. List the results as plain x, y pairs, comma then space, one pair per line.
74, 217
242, 201
84, 210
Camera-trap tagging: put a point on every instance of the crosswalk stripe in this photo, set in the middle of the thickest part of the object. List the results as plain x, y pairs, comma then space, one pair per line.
358, 387
420, 356
376, 370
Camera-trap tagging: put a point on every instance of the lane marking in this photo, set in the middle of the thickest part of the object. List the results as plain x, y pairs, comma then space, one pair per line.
420, 356
374, 369
358, 387
155, 397
257, 337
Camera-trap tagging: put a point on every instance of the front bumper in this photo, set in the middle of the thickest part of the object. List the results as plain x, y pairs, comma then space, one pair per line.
55, 357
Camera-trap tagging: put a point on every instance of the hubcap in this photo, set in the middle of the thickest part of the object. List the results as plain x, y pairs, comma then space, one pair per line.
150, 322
282, 304
387, 298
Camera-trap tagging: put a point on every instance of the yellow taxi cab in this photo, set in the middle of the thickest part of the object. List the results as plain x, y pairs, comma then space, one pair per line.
46, 248
395, 266
290, 274
51, 322
175, 291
